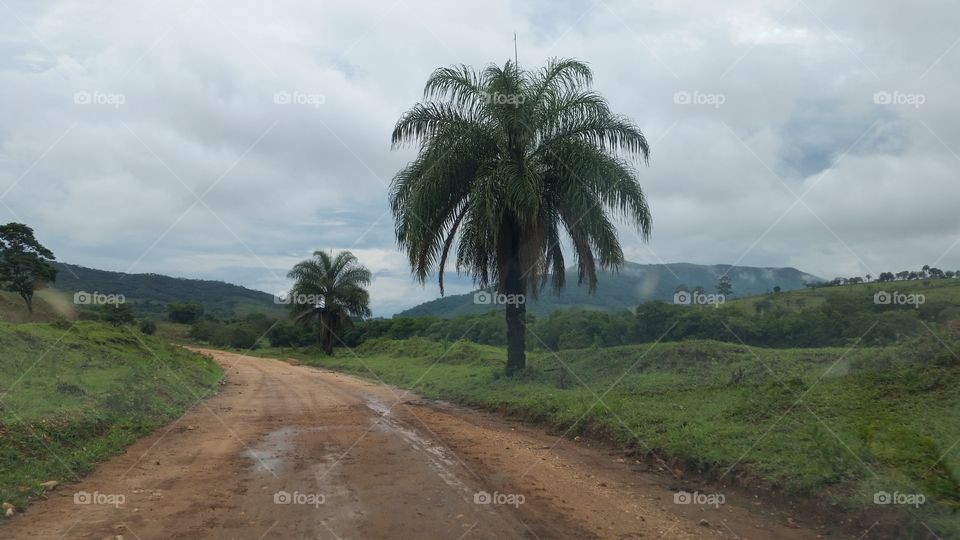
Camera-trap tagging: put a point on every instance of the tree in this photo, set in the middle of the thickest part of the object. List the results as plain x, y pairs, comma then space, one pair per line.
24, 262
508, 162
724, 286
185, 312
330, 290
116, 314
776, 289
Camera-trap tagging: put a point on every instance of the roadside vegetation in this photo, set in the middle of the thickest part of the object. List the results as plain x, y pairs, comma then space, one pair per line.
837, 425
72, 395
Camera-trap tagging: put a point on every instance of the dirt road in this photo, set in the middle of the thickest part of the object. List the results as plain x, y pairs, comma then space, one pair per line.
294, 452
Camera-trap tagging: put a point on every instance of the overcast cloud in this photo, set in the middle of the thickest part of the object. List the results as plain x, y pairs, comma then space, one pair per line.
146, 137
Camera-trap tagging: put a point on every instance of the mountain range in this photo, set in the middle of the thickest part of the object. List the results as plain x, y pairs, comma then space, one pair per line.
149, 294
632, 285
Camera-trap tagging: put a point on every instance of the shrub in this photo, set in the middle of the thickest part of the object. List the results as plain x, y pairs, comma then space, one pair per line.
148, 327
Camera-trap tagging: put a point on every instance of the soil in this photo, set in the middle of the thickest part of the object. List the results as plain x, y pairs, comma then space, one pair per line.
289, 451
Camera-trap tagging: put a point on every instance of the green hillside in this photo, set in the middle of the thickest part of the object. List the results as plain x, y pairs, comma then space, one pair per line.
75, 394
632, 285
149, 294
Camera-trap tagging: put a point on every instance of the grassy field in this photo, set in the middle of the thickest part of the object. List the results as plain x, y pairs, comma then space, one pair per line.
933, 290
834, 424
73, 395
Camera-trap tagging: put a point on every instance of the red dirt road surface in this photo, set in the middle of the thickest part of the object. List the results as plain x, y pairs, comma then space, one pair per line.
290, 452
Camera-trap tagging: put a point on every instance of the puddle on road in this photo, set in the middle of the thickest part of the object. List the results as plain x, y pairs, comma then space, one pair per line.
440, 459
274, 453
268, 455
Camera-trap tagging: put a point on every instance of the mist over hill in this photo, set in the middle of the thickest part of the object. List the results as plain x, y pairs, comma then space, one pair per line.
632, 285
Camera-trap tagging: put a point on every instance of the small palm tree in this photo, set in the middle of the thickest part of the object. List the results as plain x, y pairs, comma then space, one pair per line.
509, 162
329, 291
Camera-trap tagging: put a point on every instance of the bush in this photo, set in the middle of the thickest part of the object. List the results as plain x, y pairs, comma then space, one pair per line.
148, 327
285, 334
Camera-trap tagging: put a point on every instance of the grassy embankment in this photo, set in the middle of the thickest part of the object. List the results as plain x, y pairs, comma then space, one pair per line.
71, 396
836, 424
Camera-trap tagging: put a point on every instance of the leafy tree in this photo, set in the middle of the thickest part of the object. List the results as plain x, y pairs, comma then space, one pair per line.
24, 262
184, 312
330, 290
724, 286
776, 289
116, 314
509, 161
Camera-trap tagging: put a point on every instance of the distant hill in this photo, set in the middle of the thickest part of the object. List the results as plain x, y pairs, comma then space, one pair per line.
633, 285
149, 294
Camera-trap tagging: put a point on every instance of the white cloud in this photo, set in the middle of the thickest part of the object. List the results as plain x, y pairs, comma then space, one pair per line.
102, 184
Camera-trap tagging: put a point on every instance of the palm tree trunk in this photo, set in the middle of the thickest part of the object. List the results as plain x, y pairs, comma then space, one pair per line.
325, 320
516, 314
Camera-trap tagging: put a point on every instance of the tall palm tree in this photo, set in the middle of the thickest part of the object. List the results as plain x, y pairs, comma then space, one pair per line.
508, 162
329, 290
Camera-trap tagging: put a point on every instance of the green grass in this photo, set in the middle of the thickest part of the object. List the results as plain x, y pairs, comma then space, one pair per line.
870, 419
934, 290
73, 395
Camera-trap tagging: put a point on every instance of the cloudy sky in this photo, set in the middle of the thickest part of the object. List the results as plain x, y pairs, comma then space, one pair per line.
148, 137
